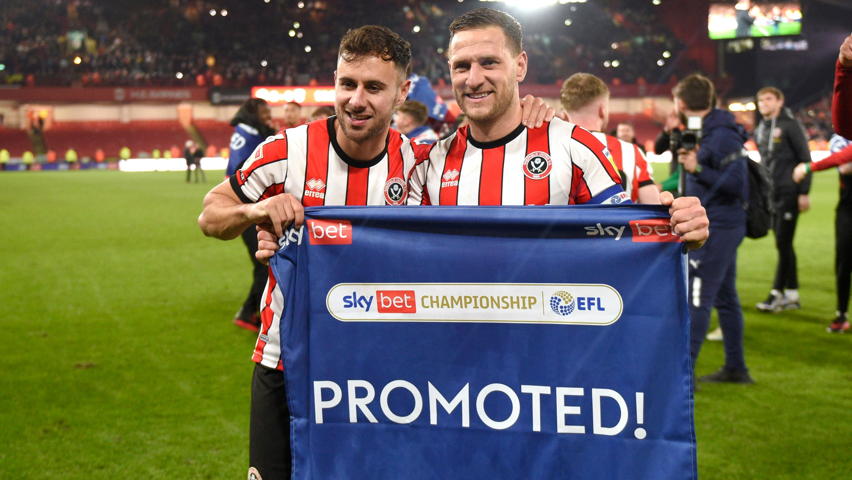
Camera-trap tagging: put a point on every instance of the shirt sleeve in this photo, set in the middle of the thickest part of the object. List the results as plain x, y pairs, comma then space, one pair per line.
417, 193
264, 172
644, 176
799, 142
833, 160
594, 172
841, 104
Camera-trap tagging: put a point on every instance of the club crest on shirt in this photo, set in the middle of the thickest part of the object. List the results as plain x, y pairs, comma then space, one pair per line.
395, 191
537, 165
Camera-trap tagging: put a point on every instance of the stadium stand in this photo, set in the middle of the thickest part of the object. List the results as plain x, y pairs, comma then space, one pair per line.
141, 136
111, 43
15, 140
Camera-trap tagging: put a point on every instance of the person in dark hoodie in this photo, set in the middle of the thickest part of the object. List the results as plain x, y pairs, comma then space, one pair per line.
783, 144
744, 19
716, 173
252, 125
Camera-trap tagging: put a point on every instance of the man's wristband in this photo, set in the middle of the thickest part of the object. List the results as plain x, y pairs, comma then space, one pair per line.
807, 168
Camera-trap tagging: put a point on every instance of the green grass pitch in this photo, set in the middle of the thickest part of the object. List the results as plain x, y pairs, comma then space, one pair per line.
791, 28
118, 358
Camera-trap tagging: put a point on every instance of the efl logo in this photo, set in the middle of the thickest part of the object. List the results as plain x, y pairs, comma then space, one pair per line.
330, 232
258, 154
396, 301
659, 230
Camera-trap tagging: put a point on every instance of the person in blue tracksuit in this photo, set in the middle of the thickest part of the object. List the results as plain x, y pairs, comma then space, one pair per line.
718, 175
252, 125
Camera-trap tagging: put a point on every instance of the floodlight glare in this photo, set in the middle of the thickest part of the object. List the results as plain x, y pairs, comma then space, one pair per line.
530, 4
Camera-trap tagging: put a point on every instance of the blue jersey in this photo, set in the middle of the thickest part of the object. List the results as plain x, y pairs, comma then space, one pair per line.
244, 140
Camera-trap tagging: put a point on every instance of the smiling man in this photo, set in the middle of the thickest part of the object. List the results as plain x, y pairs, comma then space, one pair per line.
351, 159
496, 160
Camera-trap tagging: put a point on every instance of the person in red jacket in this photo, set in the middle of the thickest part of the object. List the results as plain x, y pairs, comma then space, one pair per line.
841, 105
841, 157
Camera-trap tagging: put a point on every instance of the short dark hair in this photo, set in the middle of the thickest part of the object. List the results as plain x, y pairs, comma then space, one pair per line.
774, 91
248, 112
580, 90
696, 91
375, 41
488, 17
293, 103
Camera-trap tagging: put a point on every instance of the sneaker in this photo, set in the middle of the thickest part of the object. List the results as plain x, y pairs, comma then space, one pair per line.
715, 335
788, 304
252, 324
723, 375
774, 303
838, 326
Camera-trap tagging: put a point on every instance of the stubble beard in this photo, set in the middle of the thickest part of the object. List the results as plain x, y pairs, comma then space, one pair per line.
379, 124
499, 107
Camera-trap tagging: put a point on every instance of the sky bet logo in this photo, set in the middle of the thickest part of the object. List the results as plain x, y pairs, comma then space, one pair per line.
330, 232
654, 230
390, 301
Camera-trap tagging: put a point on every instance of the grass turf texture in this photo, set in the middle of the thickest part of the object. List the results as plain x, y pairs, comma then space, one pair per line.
118, 358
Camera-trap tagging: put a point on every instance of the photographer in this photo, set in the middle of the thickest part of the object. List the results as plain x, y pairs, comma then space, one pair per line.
711, 152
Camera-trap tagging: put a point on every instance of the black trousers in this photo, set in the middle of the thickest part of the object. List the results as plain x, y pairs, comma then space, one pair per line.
197, 170
786, 217
269, 427
260, 273
843, 255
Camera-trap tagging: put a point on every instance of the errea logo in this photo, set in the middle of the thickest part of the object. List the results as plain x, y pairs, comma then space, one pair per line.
315, 188
450, 178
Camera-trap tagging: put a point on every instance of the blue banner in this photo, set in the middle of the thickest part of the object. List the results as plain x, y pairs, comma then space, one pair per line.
487, 342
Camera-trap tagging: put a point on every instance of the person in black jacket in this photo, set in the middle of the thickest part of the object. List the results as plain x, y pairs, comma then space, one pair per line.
783, 144
744, 19
716, 173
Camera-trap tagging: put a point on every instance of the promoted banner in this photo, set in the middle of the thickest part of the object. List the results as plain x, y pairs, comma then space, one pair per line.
487, 342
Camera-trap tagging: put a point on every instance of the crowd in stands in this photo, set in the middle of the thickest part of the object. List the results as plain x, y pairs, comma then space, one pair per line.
816, 118
250, 42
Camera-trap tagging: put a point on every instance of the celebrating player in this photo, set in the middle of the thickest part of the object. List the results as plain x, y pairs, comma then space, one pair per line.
498, 161
585, 99
351, 159
354, 158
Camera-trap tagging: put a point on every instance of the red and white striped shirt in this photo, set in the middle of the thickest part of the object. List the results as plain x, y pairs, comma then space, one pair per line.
630, 162
308, 163
557, 163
